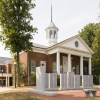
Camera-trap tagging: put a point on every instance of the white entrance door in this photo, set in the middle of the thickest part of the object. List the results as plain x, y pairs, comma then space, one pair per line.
65, 64
43, 63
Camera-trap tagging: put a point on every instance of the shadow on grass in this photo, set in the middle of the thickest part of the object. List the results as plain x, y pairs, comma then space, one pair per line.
19, 96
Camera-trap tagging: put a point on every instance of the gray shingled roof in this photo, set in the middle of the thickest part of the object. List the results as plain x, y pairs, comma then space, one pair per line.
4, 59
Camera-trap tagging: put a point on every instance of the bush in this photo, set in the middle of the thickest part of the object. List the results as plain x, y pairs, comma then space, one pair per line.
58, 81
96, 79
34, 79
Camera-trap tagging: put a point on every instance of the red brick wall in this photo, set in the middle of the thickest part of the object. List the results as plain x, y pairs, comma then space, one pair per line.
35, 56
3, 68
50, 59
23, 58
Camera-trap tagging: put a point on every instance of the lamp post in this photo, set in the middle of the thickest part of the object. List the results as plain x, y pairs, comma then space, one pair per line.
2, 78
15, 73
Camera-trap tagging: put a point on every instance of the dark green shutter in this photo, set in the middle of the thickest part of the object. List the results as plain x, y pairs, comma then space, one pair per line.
35, 65
29, 66
79, 70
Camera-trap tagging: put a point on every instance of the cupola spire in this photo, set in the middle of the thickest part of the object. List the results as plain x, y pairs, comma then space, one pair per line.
51, 10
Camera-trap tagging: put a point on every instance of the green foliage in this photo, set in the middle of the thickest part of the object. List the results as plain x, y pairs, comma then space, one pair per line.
88, 33
91, 35
15, 22
16, 30
96, 79
34, 78
58, 81
96, 49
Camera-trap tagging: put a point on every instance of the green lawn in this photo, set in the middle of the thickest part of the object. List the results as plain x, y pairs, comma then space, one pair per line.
19, 96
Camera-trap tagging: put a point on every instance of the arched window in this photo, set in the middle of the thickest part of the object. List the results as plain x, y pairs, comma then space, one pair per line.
55, 35
51, 34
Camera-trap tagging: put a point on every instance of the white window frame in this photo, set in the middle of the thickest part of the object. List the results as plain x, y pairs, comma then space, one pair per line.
33, 67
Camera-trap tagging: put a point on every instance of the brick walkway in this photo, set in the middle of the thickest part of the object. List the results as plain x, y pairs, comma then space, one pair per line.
66, 95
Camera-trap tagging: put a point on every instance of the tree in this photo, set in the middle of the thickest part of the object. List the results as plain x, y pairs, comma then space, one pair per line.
16, 29
96, 49
91, 35
88, 33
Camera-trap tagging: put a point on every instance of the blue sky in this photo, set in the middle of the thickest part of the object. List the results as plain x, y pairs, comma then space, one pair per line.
70, 16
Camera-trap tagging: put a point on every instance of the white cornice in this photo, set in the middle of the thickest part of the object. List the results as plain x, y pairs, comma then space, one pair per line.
39, 50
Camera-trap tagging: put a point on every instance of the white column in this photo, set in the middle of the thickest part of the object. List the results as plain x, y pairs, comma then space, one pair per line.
58, 63
69, 62
6, 80
90, 66
81, 65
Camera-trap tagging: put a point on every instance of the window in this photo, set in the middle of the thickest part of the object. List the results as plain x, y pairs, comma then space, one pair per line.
51, 35
54, 70
0, 69
32, 66
77, 70
55, 36
76, 43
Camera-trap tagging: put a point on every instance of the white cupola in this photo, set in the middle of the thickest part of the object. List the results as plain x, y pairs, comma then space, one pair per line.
51, 33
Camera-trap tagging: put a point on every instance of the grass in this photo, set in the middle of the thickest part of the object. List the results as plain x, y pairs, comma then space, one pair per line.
19, 96
96, 98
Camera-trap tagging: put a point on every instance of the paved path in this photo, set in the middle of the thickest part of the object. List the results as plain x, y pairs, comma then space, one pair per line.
2, 89
66, 95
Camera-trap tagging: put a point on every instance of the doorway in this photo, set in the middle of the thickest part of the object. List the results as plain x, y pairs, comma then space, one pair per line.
65, 64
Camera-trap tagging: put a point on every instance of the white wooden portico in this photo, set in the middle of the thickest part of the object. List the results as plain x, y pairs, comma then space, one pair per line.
68, 47
7, 76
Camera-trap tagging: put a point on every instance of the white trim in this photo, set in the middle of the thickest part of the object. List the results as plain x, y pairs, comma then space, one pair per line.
2, 63
39, 50
6, 74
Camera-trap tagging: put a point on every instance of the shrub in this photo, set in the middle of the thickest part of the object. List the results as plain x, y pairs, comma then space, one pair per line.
34, 78
58, 81
96, 79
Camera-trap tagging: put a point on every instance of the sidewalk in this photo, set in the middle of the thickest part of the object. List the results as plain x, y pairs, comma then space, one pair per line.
3, 89
66, 95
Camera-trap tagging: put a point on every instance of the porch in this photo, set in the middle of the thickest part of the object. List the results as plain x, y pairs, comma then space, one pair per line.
63, 60
7, 79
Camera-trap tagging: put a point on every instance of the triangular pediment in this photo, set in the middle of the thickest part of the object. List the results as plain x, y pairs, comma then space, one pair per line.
70, 43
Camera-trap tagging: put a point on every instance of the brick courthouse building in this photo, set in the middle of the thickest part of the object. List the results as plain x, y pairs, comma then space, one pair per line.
72, 55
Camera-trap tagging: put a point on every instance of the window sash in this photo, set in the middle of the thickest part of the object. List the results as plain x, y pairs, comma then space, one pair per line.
33, 66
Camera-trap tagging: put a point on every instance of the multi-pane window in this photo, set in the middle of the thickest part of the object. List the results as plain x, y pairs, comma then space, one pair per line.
33, 66
54, 69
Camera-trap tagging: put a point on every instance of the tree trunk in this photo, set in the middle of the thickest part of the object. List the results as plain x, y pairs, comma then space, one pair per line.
18, 70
